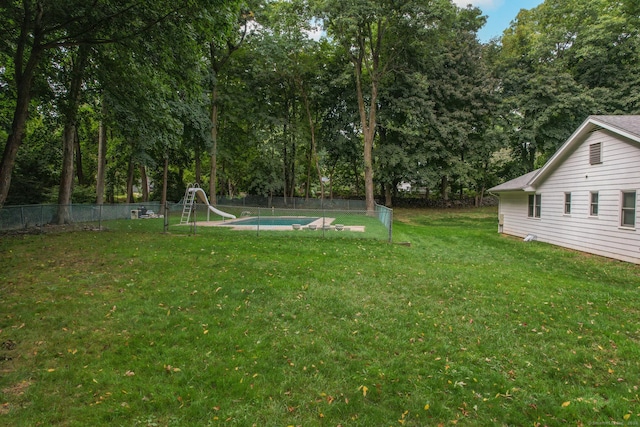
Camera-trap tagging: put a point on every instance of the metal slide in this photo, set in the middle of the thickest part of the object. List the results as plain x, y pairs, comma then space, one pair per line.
190, 195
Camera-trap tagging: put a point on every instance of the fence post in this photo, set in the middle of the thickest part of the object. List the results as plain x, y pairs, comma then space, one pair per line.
193, 209
258, 226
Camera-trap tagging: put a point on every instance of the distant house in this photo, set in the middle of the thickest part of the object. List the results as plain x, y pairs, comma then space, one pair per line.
586, 196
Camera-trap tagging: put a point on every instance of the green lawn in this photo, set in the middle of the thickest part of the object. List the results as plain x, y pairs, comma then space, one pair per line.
133, 327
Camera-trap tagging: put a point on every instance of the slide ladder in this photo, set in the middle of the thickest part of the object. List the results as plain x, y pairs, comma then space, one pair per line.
189, 197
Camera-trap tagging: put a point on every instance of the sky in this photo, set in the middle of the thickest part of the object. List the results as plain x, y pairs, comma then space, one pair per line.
499, 14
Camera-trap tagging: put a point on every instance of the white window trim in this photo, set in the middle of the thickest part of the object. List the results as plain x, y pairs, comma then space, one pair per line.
591, 214
621, 210
537, 200
564, 206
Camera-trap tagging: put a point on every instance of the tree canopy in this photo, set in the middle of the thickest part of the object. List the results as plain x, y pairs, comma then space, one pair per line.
312, 98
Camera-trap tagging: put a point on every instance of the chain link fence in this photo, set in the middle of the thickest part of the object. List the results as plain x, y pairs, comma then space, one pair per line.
37, 216
318, 221
292, 203
295, 215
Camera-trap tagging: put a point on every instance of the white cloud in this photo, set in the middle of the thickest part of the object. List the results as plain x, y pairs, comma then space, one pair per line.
483, 4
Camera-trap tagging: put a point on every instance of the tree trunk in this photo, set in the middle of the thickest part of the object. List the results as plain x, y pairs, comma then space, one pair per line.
292, 164
24, 74
102, 158
388, 195
198, 162
130, 177
63, 215
71, 116
79, 169
368, 132
217, 63
144, 183
331, 185
213, 175
480, 196
444, 184
165, 184
312, 129
307, 186
285, 162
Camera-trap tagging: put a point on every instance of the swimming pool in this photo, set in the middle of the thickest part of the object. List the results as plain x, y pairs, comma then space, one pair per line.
274, 220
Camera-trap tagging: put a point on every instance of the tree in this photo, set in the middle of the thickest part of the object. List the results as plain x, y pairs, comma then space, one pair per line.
221, 45
562, 61
33, 28
373, 36
79, 61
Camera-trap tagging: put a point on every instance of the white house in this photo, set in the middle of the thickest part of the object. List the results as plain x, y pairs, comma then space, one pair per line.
586, 196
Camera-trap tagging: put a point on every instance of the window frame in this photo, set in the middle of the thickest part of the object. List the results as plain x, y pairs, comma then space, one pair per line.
624, 209
567, 203
534, 205
594, 205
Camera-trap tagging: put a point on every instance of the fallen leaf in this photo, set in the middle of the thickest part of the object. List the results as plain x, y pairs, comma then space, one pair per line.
565, 404
626, 417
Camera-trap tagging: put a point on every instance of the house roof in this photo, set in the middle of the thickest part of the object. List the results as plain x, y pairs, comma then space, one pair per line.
519, 183
627, 126
620, 124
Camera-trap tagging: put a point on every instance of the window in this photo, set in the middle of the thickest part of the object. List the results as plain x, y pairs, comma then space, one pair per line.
595, 153
535, 205
628, 214
593, 210
567, 203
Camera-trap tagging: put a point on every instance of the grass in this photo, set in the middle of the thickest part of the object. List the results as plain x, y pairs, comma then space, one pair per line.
133, 327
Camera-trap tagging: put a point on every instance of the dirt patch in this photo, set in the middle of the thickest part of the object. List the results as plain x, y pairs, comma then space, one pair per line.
17, 389
51, 229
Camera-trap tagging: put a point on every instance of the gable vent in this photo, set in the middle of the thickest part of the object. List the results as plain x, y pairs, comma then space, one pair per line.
595, 153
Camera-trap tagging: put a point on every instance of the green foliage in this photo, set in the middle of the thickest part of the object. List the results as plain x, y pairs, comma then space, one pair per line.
443, 106
561, 62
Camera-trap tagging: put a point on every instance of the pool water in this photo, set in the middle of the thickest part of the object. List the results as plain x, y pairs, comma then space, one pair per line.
274, 220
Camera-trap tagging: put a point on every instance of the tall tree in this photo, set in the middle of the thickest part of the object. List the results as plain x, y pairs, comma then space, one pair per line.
34, 27
221, 46
70, 111
369, 33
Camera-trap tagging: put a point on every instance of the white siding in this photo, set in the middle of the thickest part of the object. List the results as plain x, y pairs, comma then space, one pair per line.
601, 235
